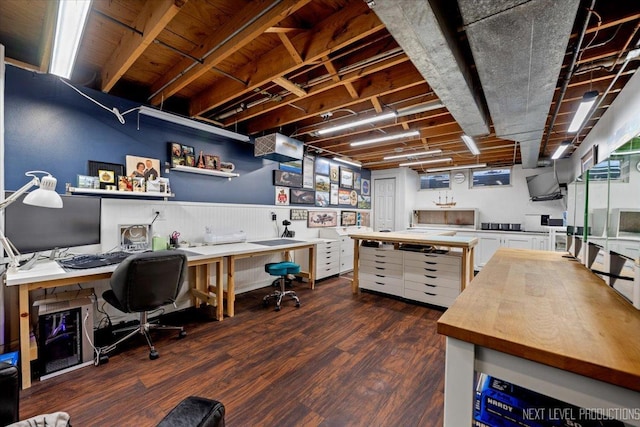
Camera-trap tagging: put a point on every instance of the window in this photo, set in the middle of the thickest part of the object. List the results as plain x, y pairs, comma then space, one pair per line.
432, 181
491, 177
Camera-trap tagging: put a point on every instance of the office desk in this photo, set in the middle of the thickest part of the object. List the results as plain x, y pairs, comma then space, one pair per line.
48, 274
546, 323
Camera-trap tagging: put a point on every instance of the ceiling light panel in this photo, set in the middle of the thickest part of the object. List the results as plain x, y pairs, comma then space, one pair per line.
386, 138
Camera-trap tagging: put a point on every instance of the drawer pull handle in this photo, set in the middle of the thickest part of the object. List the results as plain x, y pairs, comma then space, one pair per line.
379, 275
430, 263
430, 269
379, 283
380, 262
430, 277
380, 268
430, 285
429, 293
379, 256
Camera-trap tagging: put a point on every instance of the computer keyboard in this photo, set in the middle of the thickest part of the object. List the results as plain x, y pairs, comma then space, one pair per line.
92, 261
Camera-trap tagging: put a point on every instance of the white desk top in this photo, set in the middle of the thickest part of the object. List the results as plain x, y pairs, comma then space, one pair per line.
48, 270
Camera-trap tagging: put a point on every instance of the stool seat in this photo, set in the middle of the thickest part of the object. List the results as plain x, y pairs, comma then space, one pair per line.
281, 269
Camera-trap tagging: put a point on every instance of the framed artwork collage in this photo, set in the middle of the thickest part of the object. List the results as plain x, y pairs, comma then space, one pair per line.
318, 182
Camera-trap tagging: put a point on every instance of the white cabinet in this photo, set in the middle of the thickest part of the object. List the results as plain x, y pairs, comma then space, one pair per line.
341, 234
327, 258
489, 243
425, 277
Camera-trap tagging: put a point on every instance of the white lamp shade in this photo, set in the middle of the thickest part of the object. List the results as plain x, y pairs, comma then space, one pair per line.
45, 196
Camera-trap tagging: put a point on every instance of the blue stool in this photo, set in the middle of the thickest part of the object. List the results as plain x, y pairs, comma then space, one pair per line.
281, 269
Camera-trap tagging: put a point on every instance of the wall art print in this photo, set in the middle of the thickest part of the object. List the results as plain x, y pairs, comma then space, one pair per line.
322, 219
298, 196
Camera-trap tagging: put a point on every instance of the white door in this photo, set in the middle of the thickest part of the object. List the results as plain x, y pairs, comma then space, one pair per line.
384, 193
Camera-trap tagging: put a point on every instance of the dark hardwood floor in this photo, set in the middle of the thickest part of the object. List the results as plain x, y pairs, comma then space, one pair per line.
339, 360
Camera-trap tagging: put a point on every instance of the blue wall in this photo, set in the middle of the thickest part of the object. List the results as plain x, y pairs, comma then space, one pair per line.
51, 127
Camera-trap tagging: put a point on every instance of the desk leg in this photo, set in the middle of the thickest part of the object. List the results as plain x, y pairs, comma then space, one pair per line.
25, 342
465, 269
458, 383
355, 284
312, 266
219, 290
231, 269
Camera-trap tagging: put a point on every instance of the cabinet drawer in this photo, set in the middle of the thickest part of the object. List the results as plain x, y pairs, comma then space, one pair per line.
430, 288
381, 267
434, 279
439, 300
439, 266
428, 273
326, 270
389, 285
451, 258
375, 253
327, 256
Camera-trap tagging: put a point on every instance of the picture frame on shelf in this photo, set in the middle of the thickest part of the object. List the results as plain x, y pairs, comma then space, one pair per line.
125, 183
346, 178
298, 214
189, 154
212, 162
176, 155
287, 179
86, 181
322, 218
300, 196
106, 172
138, 184
142, 167
348, 218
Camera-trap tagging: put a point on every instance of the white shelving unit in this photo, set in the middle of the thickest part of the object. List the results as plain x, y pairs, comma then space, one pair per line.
96, 191
191, 169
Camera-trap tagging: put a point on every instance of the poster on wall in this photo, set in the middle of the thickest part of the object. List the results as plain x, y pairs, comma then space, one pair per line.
307, 172
282, 196
302, 197
346, 178
344, 197
287, 179
348, 218
322, 219
364, 202
294, 166
322, 199
364, 183
322, 166
356, 181
365, 219
298, 215
333, 197
334, 173
322, 183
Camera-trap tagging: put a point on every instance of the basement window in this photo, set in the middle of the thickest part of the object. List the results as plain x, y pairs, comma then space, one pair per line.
491, 177
433, 181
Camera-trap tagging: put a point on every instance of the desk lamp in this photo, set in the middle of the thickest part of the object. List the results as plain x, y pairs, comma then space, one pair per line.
44, 196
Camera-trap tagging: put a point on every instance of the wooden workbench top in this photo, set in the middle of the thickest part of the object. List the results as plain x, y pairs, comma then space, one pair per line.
549, 309
442, 238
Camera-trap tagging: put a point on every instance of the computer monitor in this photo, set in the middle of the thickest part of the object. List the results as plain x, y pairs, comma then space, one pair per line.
36, 229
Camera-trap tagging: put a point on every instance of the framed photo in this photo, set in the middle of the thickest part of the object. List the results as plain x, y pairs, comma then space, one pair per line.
189, 154
137, 184
125, 183
322, 219
294, 166
365, 219
175, 154
211, 162
344, 197
365, 187
86, 181
334, 173
302, 197
364, 202
333, 196
134, 237
322, 166
287, 179
142, 167
353, 198
105, 171
322, 183
282, 196
307, 172
299, 215
346, 178
356, 181
322, 199
348, 218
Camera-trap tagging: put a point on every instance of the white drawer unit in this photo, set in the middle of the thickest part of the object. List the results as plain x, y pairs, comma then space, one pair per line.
327, 259
341, 235
431, 278
346, 254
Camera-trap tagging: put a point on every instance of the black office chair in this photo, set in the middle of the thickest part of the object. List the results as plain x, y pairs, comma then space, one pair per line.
141, 283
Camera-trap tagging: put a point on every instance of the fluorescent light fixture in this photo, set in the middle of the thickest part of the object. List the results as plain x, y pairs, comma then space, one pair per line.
386, 138
348, 161
184, 121
72, 17
420, 108
423, 162
451, 168
471, 144
588, 99
561, 149
357, 123
413, 154
625, 153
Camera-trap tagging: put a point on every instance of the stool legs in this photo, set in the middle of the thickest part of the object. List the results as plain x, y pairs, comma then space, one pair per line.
279, 294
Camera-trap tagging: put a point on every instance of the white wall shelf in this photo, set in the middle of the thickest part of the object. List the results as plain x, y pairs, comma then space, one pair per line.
96, 191
191, 169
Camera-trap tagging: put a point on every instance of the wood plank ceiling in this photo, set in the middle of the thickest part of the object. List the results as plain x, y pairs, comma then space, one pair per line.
297, 66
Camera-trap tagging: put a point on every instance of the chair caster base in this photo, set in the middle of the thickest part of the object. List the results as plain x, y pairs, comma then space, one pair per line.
277, 308
182, 334
153, 355
102, 359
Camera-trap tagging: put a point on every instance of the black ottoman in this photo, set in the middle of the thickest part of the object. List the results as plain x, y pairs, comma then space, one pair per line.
195, 412
9, 393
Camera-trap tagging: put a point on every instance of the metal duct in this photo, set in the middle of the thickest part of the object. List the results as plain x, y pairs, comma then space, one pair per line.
518, 47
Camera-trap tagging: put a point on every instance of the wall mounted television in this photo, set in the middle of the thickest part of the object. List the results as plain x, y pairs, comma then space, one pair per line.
35, 229
544, 186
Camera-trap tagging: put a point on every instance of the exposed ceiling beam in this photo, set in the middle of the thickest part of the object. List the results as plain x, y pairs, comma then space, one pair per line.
286, 42
242, 29
290, 86
350, 24
153, 18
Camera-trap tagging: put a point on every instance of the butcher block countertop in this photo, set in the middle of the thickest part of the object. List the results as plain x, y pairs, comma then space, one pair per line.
550, 309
